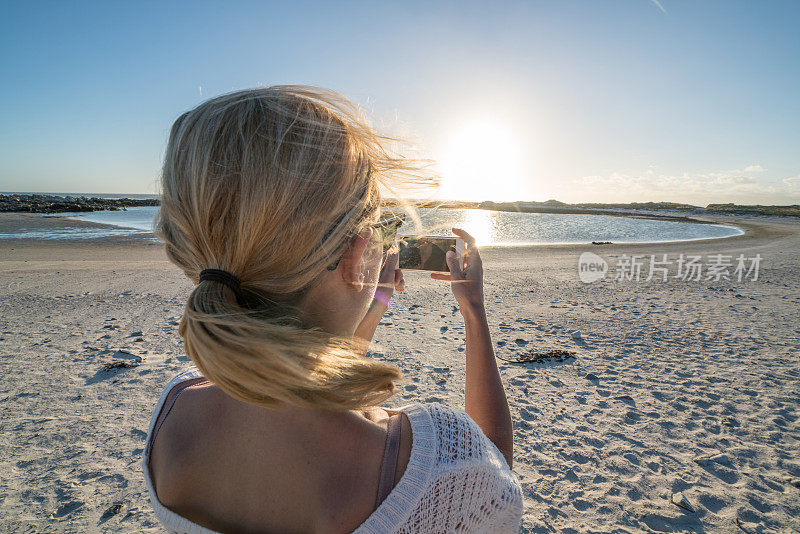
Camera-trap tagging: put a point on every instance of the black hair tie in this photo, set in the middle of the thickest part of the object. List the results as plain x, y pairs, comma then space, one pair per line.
224, 277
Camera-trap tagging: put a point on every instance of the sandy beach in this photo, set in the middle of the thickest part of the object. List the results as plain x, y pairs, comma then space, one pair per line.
679, 412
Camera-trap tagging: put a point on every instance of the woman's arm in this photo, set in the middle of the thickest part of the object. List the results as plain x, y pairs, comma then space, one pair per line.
391, 278
366, 329
484, 397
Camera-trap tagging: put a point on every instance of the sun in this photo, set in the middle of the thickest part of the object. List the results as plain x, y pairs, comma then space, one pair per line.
481, 161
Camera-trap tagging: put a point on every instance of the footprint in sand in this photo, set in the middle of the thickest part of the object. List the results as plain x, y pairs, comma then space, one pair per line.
720, 466
67, 508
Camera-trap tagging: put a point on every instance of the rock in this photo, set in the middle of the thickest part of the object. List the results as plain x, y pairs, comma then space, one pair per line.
69, 203
625, 398
113, 510
680, 500
576, 334
591, 376
532, 356
136, 333
122, 364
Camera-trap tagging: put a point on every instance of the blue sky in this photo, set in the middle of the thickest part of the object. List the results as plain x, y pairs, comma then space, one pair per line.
593, 101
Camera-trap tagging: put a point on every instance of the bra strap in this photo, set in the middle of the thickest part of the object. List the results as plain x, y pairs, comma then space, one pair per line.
172, 396
390, 453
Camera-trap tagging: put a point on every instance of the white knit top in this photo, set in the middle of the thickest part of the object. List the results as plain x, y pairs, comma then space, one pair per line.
456, 479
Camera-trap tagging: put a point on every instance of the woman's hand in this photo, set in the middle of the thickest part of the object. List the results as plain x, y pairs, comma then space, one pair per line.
466, 274
390, 278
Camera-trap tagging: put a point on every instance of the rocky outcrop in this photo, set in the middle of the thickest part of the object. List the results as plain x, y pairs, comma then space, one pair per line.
58, 204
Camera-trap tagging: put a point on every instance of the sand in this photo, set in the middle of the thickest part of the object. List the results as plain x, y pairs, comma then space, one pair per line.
679, 412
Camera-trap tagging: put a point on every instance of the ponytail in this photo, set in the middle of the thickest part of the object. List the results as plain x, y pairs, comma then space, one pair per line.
266, 360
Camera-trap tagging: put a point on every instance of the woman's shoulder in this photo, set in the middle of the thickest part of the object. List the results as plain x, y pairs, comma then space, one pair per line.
190, 373
457, 476
456, 436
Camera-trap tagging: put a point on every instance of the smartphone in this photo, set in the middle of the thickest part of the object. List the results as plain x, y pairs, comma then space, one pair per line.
427, 253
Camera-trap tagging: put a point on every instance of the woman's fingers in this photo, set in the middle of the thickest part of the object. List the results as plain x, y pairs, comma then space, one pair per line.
471, 255
454, 262
471, 259
399, 281
463, 234
390, 264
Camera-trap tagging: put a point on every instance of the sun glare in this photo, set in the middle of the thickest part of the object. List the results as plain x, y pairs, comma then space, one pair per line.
479, 224
481, 161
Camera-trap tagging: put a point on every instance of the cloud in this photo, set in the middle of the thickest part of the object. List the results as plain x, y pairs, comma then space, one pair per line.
650, 179
754, 168
734, 185
733, 180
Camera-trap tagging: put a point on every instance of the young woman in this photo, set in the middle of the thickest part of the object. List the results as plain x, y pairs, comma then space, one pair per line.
271, 204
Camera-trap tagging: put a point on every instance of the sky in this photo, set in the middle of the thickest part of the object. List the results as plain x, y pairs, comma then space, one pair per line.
579, 101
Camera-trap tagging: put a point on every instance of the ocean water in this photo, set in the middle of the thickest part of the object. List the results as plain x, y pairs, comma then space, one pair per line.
499, 228
134, 222
490, 228
139, 218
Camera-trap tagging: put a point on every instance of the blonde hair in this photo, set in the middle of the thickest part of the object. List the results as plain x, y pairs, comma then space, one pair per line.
271, 184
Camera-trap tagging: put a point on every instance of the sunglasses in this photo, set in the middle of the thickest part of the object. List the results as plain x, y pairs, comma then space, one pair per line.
387, 225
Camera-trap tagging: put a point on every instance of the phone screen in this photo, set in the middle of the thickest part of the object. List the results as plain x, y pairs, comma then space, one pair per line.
426, 253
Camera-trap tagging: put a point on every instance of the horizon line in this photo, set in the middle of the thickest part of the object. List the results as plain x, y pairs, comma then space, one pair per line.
540, 203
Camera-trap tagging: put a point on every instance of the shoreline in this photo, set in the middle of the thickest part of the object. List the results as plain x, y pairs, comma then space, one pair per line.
758, 233
11, 221
670, 211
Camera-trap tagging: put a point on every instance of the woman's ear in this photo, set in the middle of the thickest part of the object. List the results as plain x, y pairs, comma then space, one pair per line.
353, 260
